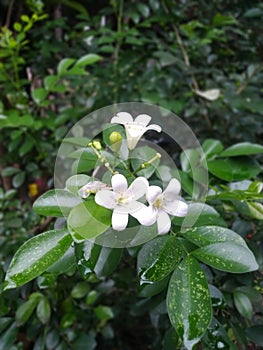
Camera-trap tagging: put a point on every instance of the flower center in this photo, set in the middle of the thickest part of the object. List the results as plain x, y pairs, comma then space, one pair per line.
158, 203
122, 199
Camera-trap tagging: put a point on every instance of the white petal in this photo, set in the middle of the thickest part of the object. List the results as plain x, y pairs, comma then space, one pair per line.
84, 192
119, 183
209, 95
163, 222
106, 199
119, 221
129, 207
173, 187
122, 118
176, 208
143, 119
145, 215
152, 193
138, 188
154, 127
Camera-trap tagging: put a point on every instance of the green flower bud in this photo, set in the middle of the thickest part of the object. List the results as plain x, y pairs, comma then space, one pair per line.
115, 141
97, 145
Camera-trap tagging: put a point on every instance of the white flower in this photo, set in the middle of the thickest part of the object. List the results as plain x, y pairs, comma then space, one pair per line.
122, 200
134, 128
162, 204
91, 187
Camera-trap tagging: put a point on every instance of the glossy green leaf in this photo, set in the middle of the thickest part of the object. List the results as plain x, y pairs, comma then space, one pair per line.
75, 182
56, 203
227, 256
39, 95
103, 313
26, 309
142, 155
212, 147
205, 235
50, 82
242, 149
19, 179
87, 59
188, 302
200, 214
43, 310
240, 168
158, 258
252, 209
243, 304
88, 220
64, 65
36, 255
92, 257
80, 290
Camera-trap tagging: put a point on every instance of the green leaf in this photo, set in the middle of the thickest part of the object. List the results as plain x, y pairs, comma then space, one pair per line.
27, 145
243, 304
252, 209
50, 82
43, 310
227, 256
200, 214
19, 179
242, 149
9, 171
64, 65
56, 203
240, 168
158, 258
188, 302
9, 337
87, 59
75, 182
142, 155
88, 220
206, 235
255, 334
26, 309
39, 95
103, 313
212, 147
36, 255
80, 290
143, 9
95, 258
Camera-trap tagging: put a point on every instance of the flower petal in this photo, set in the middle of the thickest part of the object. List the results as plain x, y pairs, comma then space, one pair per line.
138, 188
143, 119
129, 207
119, 221
106, 199
175, 208
163, 222
122, 118
154, 127
119, 183
173, 187
152, 193
145, 215
84, 192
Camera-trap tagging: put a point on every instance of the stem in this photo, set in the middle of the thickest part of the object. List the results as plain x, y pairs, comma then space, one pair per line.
9, 12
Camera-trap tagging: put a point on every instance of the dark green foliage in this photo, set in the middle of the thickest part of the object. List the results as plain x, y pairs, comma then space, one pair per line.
58, 62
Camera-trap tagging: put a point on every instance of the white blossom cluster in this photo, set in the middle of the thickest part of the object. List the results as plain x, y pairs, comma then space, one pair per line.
123, 200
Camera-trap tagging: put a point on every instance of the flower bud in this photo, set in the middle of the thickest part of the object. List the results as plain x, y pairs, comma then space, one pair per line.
115, 141
97, 145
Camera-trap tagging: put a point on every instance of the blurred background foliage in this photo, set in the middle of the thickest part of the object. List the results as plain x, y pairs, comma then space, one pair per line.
61, 60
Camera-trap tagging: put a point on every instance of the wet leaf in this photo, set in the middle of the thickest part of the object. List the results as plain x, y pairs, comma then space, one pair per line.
188, 302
